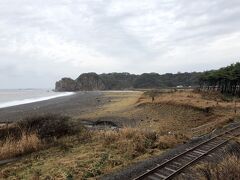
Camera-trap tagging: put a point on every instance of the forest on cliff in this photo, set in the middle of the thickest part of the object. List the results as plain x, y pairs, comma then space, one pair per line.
120, 81
225, 80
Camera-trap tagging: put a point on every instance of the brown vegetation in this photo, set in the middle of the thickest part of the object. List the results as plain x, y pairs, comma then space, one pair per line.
30, 134
227, 169
14, 147
128, 145
196, 112
136, 141
47, 126
77, 152
93, 153
224, 165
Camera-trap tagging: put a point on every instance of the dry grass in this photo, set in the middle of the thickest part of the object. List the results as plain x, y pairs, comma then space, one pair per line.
222, 165
28, 135
163, 124
191, 98
121, 102
134, 142
126, 146
27, 143
103, 152
170, 141
186, 111
227, 169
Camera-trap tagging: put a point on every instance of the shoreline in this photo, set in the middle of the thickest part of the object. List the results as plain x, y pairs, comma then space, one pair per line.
73, 105
33, 100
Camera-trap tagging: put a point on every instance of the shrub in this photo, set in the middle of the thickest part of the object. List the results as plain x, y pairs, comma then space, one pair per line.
49, 125
12, 132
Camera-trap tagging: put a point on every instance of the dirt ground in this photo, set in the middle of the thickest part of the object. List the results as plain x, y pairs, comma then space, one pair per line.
186, 112
120, 108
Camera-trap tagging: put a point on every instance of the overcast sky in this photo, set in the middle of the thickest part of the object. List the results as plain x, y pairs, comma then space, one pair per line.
44, 40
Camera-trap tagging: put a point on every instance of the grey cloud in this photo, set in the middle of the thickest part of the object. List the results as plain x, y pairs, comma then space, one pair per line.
40, 41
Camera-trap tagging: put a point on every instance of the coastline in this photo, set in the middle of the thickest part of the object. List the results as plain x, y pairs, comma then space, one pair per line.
73, 105
33, 100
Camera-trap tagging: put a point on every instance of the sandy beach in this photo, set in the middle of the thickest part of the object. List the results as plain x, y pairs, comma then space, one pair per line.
73, 106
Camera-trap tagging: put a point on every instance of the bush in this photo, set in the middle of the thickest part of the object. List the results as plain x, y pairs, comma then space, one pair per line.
12, 132
46, 126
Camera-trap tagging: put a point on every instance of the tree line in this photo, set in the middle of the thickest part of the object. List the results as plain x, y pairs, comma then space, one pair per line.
119, 81
225, 80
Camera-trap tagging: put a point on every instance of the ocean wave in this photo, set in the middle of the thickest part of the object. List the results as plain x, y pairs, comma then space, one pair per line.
32, 100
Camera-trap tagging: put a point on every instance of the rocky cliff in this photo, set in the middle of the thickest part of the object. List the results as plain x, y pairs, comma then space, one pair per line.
66, 84
89, 82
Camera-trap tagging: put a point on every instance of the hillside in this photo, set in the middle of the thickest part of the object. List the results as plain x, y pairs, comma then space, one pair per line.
120, 81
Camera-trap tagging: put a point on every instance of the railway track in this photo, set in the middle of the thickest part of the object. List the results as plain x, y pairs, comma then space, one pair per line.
174, 166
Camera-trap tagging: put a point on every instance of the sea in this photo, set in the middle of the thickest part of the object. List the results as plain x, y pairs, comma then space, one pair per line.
14, 97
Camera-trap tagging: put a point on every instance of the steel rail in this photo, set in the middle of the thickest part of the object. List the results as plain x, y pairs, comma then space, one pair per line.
164, 164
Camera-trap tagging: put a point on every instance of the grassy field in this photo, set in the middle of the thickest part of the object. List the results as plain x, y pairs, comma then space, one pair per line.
149, 129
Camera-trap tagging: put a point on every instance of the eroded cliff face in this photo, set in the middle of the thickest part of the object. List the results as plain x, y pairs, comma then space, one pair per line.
89, 82
66, 84
85, 82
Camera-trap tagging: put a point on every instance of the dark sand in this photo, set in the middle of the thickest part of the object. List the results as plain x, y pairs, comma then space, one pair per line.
73, 106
